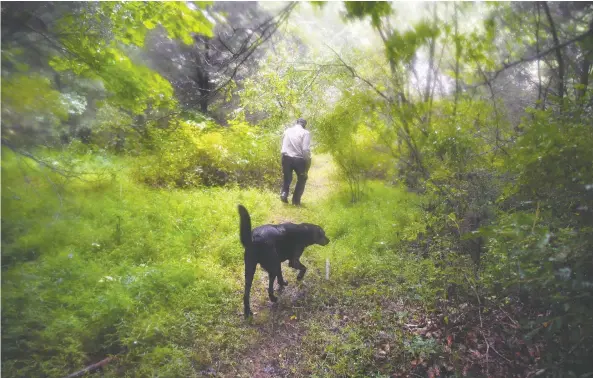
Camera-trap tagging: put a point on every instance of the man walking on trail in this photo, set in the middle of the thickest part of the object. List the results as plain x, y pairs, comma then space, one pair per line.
296, 156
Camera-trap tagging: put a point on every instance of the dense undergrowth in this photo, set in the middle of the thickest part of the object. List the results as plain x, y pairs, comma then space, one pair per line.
109, 266
199, 154
106, 265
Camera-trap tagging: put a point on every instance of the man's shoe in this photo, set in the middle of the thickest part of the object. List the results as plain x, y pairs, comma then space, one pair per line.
284, 198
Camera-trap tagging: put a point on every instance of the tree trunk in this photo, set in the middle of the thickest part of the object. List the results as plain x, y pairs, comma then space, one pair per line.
559, 59
457, 58
539, 73
586, 64
203, 77
430, 57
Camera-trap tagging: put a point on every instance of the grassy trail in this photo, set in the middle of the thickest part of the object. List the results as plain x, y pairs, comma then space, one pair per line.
351, 324
278, 327
317, 189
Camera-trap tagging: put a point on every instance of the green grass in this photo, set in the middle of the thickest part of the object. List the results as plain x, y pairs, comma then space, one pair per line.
108, 266
375, 286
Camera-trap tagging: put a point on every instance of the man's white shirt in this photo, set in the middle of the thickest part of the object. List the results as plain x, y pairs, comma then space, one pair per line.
296, 142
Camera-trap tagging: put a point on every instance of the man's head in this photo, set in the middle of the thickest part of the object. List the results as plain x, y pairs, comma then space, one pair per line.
302, 122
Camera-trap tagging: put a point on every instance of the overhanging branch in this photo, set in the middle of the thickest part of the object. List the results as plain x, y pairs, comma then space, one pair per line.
355, 74
543, 53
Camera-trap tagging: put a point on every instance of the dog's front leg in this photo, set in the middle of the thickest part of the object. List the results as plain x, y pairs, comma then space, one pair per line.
296, 264
281, 281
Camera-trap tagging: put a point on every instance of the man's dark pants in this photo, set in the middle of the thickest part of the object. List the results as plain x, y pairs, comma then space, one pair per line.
300, 166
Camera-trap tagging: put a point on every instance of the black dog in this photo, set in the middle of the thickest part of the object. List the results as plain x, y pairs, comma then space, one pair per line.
269, 245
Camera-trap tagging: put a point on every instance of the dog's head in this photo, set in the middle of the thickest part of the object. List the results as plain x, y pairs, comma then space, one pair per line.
319, 236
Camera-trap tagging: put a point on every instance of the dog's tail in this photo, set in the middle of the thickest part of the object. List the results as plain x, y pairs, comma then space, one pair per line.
245, 227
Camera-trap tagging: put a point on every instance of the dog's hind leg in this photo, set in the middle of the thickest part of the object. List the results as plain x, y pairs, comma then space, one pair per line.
249, 273
271, 264
272, 277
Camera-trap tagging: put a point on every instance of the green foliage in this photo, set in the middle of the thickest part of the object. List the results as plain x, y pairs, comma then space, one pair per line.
90, 52
350, 134
111, 129
131, 86
92, 55
130, 22
552, 158
541, 246
362, 9
403, 47
280, 92
101, 267
205, 154
30, 105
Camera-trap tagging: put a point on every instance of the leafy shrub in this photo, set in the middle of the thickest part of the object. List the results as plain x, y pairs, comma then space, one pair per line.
349, 135
540, 245
204, 154
31, 108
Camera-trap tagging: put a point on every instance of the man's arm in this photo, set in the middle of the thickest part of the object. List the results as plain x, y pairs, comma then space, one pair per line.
307, 146
282, 142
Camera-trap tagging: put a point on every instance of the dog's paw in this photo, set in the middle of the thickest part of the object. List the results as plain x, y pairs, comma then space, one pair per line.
300, 278
284, 283
273, 298
248, 315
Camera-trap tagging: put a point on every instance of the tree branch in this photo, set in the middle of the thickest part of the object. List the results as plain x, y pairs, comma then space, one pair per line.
558, 51
62, 172
534, 57
355, 74
91, 368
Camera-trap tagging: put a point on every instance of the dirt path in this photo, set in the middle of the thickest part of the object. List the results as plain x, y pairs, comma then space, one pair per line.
278, 325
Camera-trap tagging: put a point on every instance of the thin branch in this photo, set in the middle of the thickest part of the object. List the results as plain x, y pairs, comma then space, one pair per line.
62, 172
312, 81
91, 368
355, 74
539, 73
534, 57
282, 17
